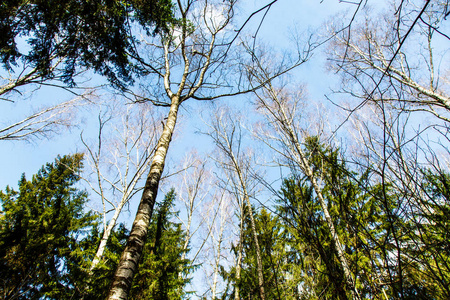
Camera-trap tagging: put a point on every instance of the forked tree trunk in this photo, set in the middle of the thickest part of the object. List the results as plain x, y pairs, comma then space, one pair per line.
129, 260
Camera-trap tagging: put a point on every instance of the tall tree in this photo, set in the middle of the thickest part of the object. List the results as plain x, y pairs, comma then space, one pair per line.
284, 134
193, 61
164, 271
226, 132
39, 227
397, 68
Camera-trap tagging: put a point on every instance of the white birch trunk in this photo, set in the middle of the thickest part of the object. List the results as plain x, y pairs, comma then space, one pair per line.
105, 237
129, 260
218, 254
283, 123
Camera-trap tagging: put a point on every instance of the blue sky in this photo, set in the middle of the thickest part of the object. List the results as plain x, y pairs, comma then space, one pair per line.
18, 157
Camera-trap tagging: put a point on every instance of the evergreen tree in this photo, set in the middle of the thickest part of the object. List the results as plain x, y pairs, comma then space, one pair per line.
92, 34
355, 210
162, 272
278, 265
39, 228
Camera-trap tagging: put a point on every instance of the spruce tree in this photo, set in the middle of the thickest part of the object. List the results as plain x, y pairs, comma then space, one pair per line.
39, 228
162, 273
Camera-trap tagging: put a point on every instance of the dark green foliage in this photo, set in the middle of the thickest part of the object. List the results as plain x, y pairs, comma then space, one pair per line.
396, 244
39, 228
162, 271
91, 34
276, 260
47, 243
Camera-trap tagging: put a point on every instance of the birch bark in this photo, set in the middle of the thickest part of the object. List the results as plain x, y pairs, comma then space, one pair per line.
197, 52
280, 113
129, 260
226, 135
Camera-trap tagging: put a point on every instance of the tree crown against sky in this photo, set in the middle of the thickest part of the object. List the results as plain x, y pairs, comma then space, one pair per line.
39, 227
86, 34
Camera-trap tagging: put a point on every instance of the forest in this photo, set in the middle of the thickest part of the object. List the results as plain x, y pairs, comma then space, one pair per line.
225, 149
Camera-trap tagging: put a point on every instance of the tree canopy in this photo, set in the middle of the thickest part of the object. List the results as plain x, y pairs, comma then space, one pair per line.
40, 225
87, 34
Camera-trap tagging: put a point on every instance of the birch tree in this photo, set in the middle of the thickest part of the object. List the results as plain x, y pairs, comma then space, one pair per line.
198, 206
217, 224
227, 136
119, 159
194, 61
196, 183
400, 124
284, 135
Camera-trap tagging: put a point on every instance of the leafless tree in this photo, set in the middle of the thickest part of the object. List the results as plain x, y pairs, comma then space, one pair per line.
46, 121
119, 159
196, 200
226, 132
196, 183
196, 60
